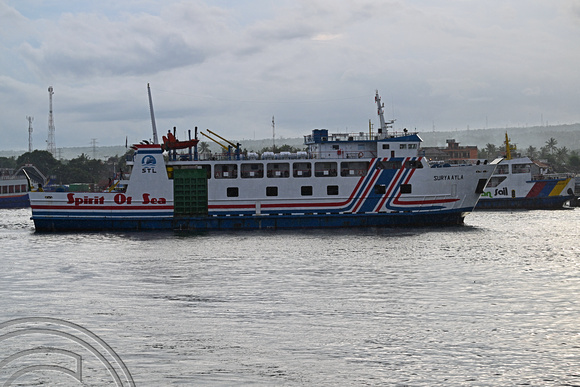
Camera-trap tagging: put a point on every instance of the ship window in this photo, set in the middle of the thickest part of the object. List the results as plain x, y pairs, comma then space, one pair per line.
306, 190
271, 191
385, 146
480, 186
335, 147
405, 188
325, 169
302, 169
11, 189
252, 171
233, 192
402, 146
495, 181
332, 190
521, 168
380, 189
502, 169
5, 189
390, 164
17, 188
278, 170
413, 164
412, 146
226, 171
354, 168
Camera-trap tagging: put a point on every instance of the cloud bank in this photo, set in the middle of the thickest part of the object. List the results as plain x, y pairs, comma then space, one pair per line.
232, 65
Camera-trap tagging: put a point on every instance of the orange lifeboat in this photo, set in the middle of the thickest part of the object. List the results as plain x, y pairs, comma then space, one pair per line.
170, 142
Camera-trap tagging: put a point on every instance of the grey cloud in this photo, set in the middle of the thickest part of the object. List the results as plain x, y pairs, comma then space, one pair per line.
88, 45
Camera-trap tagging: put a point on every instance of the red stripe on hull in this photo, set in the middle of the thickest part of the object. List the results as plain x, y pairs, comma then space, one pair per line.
103, 208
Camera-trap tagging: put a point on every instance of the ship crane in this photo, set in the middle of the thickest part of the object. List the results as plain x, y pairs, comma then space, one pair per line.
228, 149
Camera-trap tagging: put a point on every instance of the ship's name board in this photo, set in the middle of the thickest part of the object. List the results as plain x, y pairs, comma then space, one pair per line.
119, 198
448, 177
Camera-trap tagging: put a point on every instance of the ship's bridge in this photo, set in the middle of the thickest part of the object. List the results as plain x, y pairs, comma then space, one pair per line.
323, 145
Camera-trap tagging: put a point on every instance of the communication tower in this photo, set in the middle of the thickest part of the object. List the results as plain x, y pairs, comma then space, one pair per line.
94, 144
51, 144
30, 119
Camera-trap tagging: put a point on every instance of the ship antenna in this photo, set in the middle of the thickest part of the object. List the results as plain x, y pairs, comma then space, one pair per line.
155, 140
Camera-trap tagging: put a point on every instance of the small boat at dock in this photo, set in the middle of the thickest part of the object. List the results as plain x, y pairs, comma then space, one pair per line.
13, 189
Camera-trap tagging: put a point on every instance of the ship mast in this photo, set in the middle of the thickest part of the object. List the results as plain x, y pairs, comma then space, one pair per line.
51, 147
155, 139
508, 148
381, 112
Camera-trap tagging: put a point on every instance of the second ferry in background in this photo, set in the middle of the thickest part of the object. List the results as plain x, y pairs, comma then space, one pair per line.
521, 183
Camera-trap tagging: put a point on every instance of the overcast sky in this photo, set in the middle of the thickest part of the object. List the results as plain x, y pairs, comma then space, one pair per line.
230, 65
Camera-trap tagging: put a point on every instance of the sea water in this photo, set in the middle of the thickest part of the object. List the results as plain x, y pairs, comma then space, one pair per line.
492, 303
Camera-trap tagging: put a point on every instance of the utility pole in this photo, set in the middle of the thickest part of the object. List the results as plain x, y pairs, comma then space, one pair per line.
51, 140
273, 135
30, 119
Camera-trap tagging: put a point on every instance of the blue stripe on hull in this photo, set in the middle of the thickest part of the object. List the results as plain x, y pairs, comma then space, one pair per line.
535, 203
101, 224
208, 223
451, 218
15, 202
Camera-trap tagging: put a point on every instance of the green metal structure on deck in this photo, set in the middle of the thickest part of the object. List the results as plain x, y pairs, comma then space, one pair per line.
189, 192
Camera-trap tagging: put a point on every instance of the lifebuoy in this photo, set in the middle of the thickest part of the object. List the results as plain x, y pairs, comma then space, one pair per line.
360, 154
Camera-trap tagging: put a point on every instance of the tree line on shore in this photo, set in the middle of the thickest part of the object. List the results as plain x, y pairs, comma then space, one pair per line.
84, 169
81, 169
561, 159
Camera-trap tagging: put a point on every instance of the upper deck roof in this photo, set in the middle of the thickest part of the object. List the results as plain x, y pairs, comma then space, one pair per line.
320, 136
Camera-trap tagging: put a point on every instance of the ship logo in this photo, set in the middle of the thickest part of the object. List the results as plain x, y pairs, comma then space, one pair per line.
148, 161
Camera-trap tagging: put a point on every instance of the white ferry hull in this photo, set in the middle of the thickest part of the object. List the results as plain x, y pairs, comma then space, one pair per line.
437, 197
342, 180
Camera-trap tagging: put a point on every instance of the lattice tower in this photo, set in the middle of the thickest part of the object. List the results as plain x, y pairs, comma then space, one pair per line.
30, 119
51, 143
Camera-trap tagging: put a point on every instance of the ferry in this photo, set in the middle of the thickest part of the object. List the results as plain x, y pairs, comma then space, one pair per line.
13, 189
362, 179
521, 183
15, 185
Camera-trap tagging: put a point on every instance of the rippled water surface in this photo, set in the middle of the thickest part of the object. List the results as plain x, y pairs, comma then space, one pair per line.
495, 302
